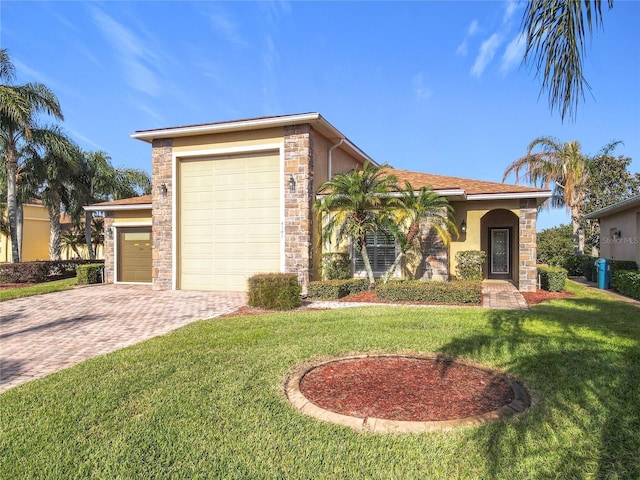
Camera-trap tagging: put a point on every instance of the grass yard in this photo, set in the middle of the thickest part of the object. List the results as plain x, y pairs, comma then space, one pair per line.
40, 288
207, 402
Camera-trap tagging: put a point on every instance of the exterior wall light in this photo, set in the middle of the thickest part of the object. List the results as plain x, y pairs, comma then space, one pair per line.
110, 233
617, 233
463, 227
163, 189
292, 184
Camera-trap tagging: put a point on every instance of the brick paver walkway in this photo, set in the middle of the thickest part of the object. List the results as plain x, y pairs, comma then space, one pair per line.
45, 333
503, 295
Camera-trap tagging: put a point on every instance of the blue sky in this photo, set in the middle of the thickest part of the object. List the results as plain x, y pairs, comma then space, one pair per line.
426, 86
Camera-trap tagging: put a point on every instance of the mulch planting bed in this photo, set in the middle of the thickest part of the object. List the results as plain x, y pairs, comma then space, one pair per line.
405, 388
540, 296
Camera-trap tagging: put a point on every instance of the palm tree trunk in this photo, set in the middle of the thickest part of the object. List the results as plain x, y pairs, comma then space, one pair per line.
87, 235
19, 225
367, 263
393, 267
12, 201
55, 250
578, 233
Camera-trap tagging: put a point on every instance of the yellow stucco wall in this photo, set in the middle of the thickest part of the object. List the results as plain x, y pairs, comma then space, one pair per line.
35, 236
228, 140
123, 217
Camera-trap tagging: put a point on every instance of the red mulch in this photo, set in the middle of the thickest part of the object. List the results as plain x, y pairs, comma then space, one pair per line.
539, 296
399, 388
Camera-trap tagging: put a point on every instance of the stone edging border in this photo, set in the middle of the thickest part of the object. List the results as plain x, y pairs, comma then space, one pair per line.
379, 425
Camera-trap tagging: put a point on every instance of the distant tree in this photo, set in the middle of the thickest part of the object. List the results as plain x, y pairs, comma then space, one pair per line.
20, 109
609, 182
356, 204
555, 245
556, 33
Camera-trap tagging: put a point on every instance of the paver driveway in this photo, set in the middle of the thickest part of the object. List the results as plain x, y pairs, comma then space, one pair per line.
46, 333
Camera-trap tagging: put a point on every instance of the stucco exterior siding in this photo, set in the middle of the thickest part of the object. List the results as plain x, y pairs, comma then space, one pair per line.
624, 245
230, 140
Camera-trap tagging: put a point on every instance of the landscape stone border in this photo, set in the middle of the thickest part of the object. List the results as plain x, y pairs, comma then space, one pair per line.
379, 425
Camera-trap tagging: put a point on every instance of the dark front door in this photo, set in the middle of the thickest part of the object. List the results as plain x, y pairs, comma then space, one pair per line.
500, 253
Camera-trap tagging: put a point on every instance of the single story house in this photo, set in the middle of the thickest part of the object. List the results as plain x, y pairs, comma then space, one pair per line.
619, 230
231, 199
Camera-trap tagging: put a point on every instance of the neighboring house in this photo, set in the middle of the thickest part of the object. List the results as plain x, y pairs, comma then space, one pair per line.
232, 199
35, 236
619, 230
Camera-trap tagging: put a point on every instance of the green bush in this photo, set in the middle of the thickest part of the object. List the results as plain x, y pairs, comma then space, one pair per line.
90, 273
40, 271
627, 282
431, 291
336, 266
470, 264
274, 291
334, 289
587, 267
623, 265
552, 279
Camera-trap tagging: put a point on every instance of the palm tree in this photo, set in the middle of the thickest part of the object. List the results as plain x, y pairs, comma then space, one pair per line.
54, 161
101, 182
19, 109
565, 167
556, 33
356, 204
71, 240
424, 204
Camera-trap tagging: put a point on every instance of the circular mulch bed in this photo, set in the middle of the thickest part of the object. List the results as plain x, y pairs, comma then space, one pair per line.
404, 393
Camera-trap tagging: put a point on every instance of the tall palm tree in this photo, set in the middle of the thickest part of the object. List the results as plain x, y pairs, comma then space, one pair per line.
556, 32
100, 181
415, 206
20, 106
54, 161
563, 166
357, 203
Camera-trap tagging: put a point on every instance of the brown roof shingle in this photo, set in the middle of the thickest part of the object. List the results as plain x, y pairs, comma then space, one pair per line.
141, 200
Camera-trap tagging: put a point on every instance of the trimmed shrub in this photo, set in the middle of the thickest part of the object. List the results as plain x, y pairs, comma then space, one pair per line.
41, 271
623, 265
626, 282
334, 289
274, 291
90, 273
431, 291
470, 264
588, 268
336, 266
552, 279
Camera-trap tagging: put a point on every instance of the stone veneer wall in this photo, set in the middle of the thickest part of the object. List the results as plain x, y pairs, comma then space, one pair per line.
161, 230
298, 161
109, 251
435, 254
528, 251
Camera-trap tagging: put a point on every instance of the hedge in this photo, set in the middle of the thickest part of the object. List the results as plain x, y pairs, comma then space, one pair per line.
334, 289
336, 266
627, 282
274, 291
90, 273
40, 271
623, 265
588, 268
431, 291
470, 264
552, 279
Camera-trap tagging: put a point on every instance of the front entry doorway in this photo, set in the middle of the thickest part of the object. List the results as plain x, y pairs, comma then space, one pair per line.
500, 253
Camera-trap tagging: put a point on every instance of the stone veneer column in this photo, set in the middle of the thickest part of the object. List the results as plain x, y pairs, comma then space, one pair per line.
161, 231
435, 254
527, 240
298, 161
109, 251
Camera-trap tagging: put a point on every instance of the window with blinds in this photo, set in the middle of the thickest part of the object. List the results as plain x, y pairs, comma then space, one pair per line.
381, 248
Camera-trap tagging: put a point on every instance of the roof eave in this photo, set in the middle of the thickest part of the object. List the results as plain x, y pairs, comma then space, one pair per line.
110, 208
615, 208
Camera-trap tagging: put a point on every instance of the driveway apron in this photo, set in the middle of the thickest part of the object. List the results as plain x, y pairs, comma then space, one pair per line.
42, 334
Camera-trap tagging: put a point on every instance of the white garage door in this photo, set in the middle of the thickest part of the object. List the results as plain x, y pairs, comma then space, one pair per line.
229, 220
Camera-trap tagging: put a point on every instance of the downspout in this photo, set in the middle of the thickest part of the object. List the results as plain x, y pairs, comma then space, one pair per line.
329, 158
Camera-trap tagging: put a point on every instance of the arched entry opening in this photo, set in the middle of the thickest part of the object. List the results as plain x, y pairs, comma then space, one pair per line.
499, 238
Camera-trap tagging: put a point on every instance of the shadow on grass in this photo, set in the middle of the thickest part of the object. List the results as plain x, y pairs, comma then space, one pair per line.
580, 360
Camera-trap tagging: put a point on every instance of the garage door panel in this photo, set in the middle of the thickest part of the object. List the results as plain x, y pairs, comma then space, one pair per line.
229, 217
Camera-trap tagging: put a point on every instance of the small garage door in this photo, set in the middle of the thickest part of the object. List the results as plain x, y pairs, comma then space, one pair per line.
229, 220
134, 254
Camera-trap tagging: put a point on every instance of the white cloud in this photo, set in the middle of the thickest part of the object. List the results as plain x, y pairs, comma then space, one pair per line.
227, 28
473, 28
136, 58
421, 91
511, 7
513, 53
463, 48
486, 54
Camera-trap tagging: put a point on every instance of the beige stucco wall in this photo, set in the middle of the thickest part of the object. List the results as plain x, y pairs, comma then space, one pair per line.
124, 217
627, 246
249, 138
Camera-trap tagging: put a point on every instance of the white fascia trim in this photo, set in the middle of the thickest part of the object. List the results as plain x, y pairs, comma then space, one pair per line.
508, 196
136, 224
226, 126
111, 208
615, 208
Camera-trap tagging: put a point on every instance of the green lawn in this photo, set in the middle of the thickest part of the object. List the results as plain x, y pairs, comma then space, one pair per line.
207, 401
48, 287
